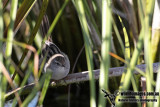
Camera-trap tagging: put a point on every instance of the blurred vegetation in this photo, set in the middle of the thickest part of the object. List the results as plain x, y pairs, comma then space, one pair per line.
104, 27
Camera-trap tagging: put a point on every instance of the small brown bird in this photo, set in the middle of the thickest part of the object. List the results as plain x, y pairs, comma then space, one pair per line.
56, 60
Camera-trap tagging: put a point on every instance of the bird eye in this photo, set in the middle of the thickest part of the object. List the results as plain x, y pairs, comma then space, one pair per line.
57, 63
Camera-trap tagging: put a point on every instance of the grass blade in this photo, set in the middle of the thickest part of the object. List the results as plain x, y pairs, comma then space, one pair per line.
45, 87
148, 49
22, 12
132, 64
34, 92
33, 33
10, 29
83, 21
105, 48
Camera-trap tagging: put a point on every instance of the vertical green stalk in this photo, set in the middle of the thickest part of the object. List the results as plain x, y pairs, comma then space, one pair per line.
1, 29
1, 90
148, 50
127, 51
106, 45
155, 31
98, 9
45, 87
10, 33
1, 56
3, 85
148, 60
118, 35
90, 16
81, 14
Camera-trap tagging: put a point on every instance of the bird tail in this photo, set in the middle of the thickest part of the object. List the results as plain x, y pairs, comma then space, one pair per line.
45, 27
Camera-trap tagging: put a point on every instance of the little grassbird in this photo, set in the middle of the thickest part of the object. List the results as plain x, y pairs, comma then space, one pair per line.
56, 61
